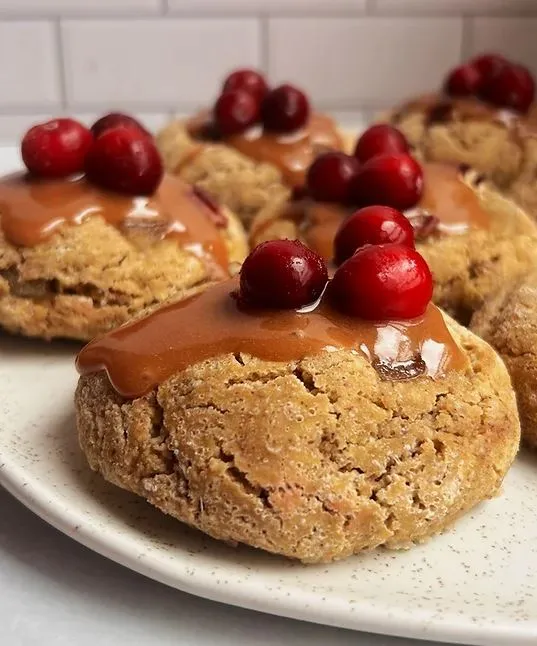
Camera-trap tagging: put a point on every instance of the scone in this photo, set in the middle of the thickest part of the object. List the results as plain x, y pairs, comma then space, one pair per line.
83, 253
508, 321
473, 237
492, 128
275, 413
253, 147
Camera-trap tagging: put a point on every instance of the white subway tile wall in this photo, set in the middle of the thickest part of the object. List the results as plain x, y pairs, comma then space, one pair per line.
157, 58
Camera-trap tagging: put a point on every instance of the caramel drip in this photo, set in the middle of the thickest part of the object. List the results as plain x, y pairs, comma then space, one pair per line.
31, 210
291, 153
445, 195
144, 353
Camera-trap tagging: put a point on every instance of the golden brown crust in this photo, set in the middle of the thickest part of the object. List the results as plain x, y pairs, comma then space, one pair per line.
508, 321
89, 278
316, 459
466, 268
507, 156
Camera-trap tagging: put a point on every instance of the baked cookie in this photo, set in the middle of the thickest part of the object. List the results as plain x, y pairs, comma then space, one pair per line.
78, 257
508, 321
313, 432
245, 155
495, 131
473, 237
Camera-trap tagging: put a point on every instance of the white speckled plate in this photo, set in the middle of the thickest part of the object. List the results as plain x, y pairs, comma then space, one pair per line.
474, 585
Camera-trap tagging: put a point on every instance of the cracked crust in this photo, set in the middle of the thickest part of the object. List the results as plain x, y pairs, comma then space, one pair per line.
243, 185
316, 459
89, 278
466, 268
508, 321
507, 156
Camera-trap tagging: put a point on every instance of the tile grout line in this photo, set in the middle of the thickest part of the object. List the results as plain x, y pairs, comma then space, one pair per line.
60, 53
466, 36
264, 52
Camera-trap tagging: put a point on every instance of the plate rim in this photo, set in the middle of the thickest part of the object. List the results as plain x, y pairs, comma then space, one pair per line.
366, 617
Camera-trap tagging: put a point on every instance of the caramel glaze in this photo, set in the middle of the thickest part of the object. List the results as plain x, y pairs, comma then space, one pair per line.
440, 108
142, 354
445, 196
291, 153
31, 210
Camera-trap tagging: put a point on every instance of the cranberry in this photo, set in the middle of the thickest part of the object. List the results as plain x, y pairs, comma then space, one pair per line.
464, 80
381, 282
235, 112
390, 180
379, 140
248, 80
512, 86
329, 177
488, 64
282, 274
114, 119
125, 160
285, 109
372, 225
56, 148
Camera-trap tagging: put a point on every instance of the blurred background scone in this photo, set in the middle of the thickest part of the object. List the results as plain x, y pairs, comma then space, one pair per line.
484, 117
508, 321
83, 253
313, 432
252, 147
473, 237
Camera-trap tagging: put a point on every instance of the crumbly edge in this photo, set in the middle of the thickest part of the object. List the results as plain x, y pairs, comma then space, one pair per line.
508, 321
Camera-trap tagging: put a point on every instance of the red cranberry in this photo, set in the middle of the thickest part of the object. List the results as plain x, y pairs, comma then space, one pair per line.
235, 112
329, 177
382, 282
248, 80
56, 148
282, 274
114, 119
372, 225
464, 80
512, 86
125, 160
285, 109
390, 180
488, 64
379, 140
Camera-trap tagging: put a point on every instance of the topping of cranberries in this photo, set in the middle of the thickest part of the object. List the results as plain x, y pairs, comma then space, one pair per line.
390, 180
126, 160
235, 112
488, 64
114, 119
248, 80
464, 80
372, 225
56, 148
285, 109
383, 282
282, 274
379, 140
512, 86
329, 177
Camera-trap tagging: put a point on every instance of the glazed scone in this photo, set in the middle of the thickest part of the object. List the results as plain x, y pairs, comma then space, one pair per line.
315, 457
249, 167
508, 321
496, 137
63, 278
477, 240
